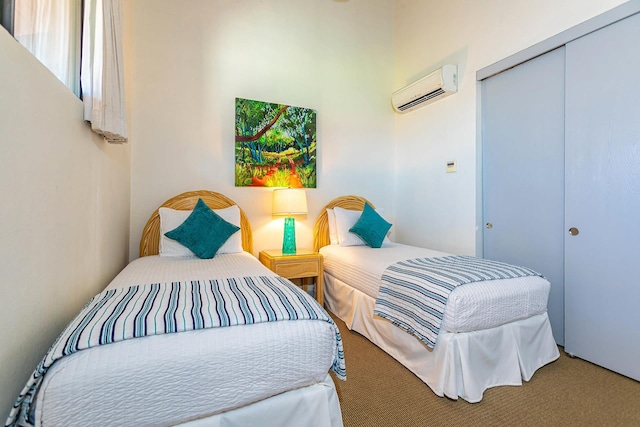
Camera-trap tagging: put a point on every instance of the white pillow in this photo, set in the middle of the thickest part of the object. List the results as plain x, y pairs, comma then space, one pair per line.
345, 219
333, 232
170, 219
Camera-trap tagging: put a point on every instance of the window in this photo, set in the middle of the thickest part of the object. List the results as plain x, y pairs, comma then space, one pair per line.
75, 38
6, 14
51, 31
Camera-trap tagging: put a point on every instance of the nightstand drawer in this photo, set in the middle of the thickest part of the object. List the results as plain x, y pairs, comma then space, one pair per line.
298, 269
304, 264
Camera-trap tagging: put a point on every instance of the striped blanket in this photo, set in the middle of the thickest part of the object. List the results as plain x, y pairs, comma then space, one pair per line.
414, 293
138, 311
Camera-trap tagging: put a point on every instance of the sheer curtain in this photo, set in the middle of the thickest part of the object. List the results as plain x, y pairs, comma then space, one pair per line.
102, 74
50, 30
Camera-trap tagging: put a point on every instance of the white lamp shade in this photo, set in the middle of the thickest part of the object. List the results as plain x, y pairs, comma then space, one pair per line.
289, 201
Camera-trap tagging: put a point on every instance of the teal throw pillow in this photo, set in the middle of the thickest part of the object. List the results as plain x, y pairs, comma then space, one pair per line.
371, 227
203, 232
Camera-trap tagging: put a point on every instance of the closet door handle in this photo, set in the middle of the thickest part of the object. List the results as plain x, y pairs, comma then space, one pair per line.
489, 226
574, 231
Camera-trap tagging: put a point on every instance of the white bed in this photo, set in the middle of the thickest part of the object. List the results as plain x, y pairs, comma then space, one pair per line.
493, 332
256, 374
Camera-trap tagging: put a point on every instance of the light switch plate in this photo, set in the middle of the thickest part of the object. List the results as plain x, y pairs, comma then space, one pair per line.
451, 166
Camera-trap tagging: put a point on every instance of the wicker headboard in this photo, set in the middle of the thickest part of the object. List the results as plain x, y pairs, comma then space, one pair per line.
186, 201
321, 229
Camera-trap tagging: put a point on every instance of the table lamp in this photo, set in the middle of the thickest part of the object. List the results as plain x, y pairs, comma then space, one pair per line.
288, 202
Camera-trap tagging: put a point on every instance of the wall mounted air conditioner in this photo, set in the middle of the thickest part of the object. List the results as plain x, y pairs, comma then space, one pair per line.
432, 87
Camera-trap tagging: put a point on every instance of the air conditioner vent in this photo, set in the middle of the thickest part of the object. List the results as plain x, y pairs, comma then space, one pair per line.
423, 98
436, 85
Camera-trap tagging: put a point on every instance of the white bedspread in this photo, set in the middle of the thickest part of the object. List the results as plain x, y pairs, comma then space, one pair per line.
474, 306
152, 269
175, 378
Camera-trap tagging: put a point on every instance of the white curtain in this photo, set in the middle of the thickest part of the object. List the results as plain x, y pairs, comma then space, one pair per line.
50, 30
102, 74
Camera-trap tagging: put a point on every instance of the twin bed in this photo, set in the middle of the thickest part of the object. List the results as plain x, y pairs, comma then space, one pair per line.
260, 369
267, 373
493, 332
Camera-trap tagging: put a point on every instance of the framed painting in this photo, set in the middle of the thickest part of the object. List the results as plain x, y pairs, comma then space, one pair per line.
275, 145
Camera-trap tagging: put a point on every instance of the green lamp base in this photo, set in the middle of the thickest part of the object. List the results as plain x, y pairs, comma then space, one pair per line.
289, 239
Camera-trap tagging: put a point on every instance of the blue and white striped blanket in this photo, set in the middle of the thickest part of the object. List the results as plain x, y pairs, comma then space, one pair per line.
414, 293
138, 311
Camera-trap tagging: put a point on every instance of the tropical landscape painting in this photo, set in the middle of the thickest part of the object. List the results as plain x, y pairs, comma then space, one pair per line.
275, 145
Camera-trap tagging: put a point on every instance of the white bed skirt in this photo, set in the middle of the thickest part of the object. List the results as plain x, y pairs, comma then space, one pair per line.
314, 406
461, 364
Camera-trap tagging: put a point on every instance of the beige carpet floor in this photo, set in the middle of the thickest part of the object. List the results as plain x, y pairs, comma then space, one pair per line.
568, 392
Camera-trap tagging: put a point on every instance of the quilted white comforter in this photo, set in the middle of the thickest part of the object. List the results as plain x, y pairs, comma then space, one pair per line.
474, 306
174, 378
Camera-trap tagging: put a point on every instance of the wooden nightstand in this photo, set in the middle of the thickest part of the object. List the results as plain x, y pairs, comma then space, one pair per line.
304, 264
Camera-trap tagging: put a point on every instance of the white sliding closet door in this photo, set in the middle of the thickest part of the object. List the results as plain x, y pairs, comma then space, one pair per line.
602, 284
523, 171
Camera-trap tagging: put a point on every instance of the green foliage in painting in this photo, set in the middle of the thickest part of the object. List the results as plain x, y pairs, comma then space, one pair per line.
275, 145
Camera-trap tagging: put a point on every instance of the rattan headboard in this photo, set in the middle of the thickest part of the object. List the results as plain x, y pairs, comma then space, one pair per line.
321, 229
187, 201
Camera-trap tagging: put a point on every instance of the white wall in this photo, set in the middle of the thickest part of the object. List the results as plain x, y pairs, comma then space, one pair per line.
189, 63
440, 209
64, 215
